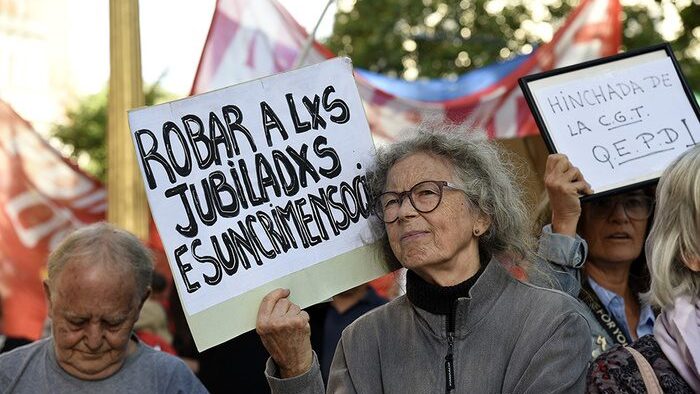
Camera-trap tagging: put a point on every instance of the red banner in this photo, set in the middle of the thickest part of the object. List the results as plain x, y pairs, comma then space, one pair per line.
43, 196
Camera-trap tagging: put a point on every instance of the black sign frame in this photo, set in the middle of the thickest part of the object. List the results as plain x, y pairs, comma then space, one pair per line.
525, 85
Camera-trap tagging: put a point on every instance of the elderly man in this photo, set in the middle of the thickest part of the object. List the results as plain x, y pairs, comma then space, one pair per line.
98, 280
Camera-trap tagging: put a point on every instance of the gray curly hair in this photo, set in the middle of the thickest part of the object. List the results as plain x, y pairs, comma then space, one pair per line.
484, 172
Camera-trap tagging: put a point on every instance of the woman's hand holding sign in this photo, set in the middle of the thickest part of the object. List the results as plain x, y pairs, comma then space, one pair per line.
285, 332
564, 184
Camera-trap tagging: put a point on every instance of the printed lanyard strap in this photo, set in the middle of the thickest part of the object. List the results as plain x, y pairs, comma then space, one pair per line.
607, 321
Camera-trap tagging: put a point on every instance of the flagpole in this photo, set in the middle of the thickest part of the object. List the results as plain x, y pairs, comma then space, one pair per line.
126, 198
310, 39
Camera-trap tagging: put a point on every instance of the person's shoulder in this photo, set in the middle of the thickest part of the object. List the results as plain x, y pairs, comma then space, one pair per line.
616, 357
379, 328
669, 378
387, 310
648, 347
540, 312
378, 318
20, 361
615, 370
618, 372
161, 362
12, 343
23, 352
160, 357
546, 300
171, 370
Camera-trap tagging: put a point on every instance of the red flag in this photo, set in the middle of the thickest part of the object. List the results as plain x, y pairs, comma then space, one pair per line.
43, 196
591, 31
249, 39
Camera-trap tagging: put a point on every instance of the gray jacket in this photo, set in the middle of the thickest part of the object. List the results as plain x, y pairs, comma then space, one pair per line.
562, 258
509, 337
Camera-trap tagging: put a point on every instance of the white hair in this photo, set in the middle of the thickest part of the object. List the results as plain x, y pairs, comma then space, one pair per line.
103, 243
675, 234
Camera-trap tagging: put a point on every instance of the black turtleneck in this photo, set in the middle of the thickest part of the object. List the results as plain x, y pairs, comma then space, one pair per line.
437, 299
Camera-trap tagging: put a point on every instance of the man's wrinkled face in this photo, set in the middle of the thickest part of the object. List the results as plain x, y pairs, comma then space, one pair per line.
93, 309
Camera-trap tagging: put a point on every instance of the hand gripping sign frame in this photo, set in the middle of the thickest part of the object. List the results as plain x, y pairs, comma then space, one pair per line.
260, 186
621, 119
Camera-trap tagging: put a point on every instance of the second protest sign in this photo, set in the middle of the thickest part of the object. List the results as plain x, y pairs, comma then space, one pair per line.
621, 120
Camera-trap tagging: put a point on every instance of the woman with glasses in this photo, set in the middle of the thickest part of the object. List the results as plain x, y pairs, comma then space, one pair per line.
611, 277
449, 212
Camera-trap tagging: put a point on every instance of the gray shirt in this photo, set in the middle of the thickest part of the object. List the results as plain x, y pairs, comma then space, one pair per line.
510, 337
33, 369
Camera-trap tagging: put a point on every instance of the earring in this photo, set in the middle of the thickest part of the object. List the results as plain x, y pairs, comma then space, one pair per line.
476, 232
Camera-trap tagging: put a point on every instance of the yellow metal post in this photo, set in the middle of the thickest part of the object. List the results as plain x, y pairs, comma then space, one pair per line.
127, 206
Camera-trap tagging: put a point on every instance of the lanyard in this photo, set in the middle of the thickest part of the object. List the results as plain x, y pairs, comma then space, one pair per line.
607, 321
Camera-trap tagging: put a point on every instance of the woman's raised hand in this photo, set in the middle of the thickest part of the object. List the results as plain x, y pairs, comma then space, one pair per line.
564, 184
285, 332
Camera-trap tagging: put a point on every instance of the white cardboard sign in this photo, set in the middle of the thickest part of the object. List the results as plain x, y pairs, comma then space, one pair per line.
620, 122
258, 186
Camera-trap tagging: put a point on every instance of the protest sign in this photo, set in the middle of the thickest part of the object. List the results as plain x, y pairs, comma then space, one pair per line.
621, 120
259, 186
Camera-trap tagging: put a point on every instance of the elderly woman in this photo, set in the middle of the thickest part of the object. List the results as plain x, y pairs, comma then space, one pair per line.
452, 216
613, 274
673, 253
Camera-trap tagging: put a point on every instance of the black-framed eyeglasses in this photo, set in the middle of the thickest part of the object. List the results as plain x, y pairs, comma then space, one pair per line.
636, 207
424, 196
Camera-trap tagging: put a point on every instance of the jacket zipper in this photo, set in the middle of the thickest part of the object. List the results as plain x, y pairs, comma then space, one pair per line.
449, 358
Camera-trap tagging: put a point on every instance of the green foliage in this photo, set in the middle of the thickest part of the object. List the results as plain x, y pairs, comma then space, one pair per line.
638, 34
445, 38
687, 46
379, 36
84, 134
